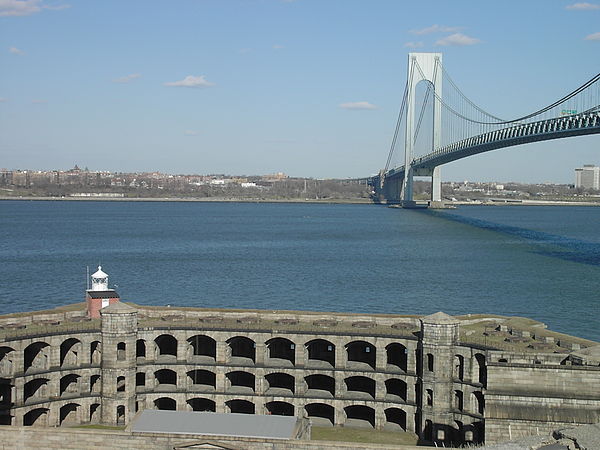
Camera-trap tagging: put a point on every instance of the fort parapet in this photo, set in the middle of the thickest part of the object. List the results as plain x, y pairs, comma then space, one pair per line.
451, 380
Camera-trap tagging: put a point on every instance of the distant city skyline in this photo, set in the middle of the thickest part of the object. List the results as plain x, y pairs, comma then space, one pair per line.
305, 87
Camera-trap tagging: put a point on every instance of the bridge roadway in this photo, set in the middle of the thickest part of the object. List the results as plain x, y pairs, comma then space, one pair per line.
560, 127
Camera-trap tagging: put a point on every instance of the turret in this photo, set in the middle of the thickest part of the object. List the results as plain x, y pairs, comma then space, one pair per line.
99, 296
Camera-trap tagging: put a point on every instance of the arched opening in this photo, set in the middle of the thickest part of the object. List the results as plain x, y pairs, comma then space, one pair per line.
241, 382
202, 379
458, 400
69, 414
481, 369
121, 415
166, 346
430, 362
320, 386
165, 403
360, 387
280, 384
5, 393
429, 397
70, 350
69, 384
94, 413
360, 416
95, 384
36, 417
281, 352
428, 431
479, 402
457, 437
6, 361
320, 413
36, 356
361, 355
240, 406
397, 356
121, 347
165, 378
140, 379
321, 353
95, 353
243, 350
395, 419
202, 404
459, 367
35, 389
396, 390
203, 346
121, 384
140, 348
280, 408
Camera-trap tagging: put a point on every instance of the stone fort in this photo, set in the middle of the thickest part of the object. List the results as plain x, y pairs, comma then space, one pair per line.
449, 380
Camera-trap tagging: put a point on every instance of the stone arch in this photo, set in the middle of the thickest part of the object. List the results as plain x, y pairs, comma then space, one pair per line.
69, 384
280, 351
458, 400
202, 345
243, 348
95, 353
95, 384
429, 397
360, 385
202, 404
361, 353
166, 345
94, 416
395, 419
280, 380
459, 367
36, 388
321, 351
241, 406
165, 403
140, 348
321, 413
70, 351
36, 356
479, 402
396, 388
241, 382
121, 415
203, 379
36, 417
6, 361
5, 393
481, 369
359, 416
397, 355
280, 408
321, 384
165, 377
69, 414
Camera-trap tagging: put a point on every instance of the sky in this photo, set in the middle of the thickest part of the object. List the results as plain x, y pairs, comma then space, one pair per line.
311, 88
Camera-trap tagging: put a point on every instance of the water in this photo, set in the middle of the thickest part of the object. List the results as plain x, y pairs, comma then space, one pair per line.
539, 262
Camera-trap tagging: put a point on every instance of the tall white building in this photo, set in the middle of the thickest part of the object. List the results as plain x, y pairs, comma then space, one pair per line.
587, 177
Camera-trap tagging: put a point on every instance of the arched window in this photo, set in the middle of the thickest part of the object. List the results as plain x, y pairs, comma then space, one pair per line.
429, 362
121, 351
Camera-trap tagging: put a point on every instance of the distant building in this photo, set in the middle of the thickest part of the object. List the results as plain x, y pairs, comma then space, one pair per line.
587, 177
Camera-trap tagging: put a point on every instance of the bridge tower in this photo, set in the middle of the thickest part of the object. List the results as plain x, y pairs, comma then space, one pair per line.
422, 67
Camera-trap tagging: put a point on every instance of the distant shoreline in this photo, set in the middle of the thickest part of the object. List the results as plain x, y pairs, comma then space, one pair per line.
356, 201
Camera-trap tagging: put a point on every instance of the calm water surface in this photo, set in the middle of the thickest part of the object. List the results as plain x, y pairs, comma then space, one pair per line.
540, 262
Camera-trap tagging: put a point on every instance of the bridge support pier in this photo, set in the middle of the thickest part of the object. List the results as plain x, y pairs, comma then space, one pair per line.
436, 185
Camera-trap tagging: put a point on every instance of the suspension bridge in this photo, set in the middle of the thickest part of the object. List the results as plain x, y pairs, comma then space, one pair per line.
459, 128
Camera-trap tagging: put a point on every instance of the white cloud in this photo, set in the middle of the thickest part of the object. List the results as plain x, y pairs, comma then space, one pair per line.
357, 105
411, 44
25, 7
191, 82
458, 39
190, 133
583, 6
436, 29
593, 37
127, 78
278, 47
16, 51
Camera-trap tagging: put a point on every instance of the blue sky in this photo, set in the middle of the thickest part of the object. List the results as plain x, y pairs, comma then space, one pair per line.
307, 87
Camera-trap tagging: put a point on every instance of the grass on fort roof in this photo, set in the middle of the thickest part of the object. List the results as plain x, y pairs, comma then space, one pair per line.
100, 427
365, 435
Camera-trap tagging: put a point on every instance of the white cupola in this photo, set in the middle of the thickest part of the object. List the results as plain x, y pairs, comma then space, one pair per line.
99, 280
